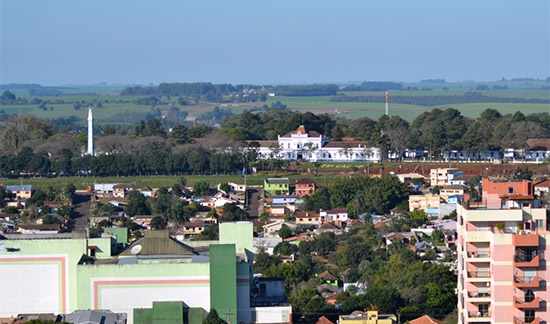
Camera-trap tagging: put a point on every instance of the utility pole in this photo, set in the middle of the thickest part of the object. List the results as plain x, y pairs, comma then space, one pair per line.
387, 102
228, 315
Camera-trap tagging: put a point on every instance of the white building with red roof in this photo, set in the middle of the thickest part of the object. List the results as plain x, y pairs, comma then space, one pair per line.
313, 146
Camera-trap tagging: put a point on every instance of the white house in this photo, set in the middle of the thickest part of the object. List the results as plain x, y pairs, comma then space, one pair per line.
312, 146
333, 215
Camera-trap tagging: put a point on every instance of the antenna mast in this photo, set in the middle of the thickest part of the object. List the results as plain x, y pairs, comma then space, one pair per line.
387, 102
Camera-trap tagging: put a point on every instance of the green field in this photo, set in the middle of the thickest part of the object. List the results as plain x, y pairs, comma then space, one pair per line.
82, 183
114, 104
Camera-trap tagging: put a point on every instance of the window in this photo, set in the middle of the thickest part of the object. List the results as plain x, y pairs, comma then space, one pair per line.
529, 296
483, 310
540, 223
510, 190
529, 315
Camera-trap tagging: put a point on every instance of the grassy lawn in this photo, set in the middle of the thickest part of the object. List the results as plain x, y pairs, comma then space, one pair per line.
161, 181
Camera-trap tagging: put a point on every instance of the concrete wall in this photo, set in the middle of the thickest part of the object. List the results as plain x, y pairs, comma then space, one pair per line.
121, 288
40, 277
280, 314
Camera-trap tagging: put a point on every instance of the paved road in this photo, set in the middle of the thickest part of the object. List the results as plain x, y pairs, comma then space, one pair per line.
81, 211
254, 195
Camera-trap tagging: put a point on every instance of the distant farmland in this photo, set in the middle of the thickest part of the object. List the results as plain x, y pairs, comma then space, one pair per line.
114, 105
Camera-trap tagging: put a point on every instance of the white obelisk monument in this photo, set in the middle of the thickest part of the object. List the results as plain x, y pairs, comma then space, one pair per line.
90, 133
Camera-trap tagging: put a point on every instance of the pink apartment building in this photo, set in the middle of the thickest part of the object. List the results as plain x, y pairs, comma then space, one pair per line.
502, 250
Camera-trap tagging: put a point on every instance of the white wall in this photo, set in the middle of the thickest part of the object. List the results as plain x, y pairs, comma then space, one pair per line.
271, 314
40, 293
124, 298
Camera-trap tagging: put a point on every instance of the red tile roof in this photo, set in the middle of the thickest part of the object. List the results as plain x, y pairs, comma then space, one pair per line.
425, 320
305, 181
302, 130
346, 143
325, 275
543, 184
324, 320
307, 214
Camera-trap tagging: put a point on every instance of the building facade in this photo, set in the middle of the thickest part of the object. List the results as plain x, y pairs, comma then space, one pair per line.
60, 274
312, 146
444, 176
502, 268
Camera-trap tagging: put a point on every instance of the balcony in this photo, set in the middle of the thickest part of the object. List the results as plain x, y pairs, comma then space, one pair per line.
526, 261
525, 240
526, 320
522, 303
478, 257
479, 297
478, 317
526, 282
478, 236
479, 276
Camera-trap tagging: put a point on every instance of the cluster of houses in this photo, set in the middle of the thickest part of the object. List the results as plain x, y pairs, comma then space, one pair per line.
116, 194
16, 205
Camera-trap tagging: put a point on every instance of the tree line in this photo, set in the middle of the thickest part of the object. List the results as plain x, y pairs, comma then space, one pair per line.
435, 100
57, 147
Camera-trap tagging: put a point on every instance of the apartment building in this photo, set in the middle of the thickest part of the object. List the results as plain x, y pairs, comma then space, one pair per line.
443, 176
498, 193
502, 249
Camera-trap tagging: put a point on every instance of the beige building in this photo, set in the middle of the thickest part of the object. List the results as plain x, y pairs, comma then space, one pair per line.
451, 191
427, 203
307, 218
443, 176
370, 317
22, 192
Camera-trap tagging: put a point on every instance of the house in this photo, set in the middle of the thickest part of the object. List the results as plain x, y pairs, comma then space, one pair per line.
329, 228
280, 200
193, 228
266, 244
371, 317
146, 191
276, 186
296, 240
424, 247
304, 187
329, 278
539, 149
235, 187
281, 210
460, 181
272, 229
410, 177
120, 190
404, 237
20, 192
307, 218
338, 215
332, 299
542, 188
104, 189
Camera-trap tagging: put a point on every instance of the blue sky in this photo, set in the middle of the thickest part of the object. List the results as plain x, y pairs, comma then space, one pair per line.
266, 42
